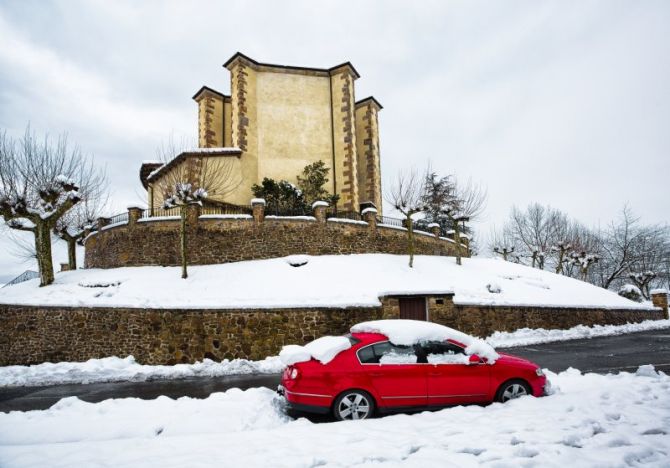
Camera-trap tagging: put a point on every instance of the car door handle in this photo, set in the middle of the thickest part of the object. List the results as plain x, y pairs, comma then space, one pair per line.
376, 374
434, 373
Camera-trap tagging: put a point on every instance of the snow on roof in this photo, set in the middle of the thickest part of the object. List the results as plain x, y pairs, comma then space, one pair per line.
326, 281
409, 332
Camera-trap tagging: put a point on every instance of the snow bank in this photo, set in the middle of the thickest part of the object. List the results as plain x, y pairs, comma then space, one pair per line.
409, 332
115, 369
322, 349
361, 279
591, 420
528, 336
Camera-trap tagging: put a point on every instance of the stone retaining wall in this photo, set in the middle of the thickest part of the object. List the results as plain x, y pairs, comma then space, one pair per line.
30, 335
221, 240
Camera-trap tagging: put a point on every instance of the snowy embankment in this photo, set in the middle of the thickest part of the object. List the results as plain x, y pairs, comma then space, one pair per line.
591, 420
115, 369
323, 281
530, 336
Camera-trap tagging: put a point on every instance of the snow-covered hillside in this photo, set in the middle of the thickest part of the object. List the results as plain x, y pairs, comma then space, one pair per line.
332, 281
591, 420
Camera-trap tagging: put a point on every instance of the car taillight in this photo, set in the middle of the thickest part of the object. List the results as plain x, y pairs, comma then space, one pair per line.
293, 374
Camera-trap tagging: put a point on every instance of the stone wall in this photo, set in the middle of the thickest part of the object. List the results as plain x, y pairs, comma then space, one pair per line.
222, 240
30, 335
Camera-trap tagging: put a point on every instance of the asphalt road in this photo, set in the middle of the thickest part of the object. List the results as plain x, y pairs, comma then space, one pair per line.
602, 355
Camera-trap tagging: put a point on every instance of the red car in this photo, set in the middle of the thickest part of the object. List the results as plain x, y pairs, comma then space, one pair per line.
374, 375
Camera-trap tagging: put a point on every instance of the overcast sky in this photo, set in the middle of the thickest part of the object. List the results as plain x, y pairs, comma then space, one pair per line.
565, 103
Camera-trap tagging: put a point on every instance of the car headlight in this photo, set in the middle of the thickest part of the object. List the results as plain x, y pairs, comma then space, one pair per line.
539, 372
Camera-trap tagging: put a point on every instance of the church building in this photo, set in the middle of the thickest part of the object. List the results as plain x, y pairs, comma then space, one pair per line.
276, 120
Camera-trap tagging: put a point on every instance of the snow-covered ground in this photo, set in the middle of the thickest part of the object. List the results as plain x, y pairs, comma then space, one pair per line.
361, 279
115, 369
591, 420
529, 336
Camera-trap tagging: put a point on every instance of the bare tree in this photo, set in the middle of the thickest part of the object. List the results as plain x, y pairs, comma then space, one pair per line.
406, 195
77, 223
642, 280
197, 178
536, 230
458, 203
39, 182
503, 243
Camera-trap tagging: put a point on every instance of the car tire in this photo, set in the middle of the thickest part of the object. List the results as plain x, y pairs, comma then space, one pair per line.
353, 404
512, 389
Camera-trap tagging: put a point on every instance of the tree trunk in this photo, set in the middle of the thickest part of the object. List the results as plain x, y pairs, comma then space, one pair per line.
71, 253
182, 242
559, 267
410, 241
43, 253
457, 238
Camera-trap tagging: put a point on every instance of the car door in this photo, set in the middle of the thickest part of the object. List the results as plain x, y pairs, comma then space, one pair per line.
394, 372
450, 376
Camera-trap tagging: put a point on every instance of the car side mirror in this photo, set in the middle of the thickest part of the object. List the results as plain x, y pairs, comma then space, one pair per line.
474, 359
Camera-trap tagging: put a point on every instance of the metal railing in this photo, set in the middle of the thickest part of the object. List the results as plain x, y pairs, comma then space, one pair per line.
339, 214
390, 221
287, 211
152, 213
119, 218
226, 210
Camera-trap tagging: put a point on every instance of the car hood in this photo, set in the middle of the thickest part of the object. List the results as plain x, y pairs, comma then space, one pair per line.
514, 360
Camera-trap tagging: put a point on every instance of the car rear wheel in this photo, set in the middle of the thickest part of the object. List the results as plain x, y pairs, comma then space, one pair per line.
512, 390
353, 404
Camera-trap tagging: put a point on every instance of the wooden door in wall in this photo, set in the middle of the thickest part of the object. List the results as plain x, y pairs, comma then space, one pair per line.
413, 308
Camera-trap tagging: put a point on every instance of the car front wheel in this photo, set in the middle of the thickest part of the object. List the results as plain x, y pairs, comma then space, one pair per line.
512, 390
353, 404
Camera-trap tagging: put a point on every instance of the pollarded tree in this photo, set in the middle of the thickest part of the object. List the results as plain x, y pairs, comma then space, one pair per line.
458, 203
562, 250
505, 251
642, 280
406, 195
583, 260
200, 176
73, 227
40, 181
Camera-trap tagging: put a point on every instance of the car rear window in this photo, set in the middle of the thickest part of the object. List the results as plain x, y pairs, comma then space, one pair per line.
387, 353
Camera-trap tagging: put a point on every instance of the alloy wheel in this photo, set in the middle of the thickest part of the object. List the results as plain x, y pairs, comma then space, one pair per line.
513, 391
354, 406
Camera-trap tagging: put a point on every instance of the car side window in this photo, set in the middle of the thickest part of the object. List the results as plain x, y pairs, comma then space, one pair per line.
442, 352
387, 353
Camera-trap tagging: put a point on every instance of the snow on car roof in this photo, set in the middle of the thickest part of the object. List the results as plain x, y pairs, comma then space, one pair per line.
409, 332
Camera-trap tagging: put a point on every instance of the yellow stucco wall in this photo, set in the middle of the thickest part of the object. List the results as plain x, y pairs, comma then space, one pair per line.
228, 187
292, 124
244, 129
227, 123
367, 144
210, 120
342, 86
